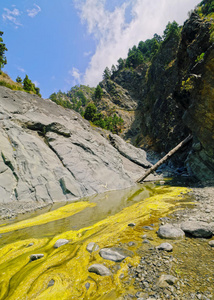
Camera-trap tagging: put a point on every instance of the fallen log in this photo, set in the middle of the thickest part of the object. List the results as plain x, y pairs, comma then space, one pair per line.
167, 156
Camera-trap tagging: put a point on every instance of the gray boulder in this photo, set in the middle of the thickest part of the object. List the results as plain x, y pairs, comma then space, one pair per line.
211, 243
197, 229
169, 231
112, 254
91, 247
165, 246
60, 243
36, 256
99, 270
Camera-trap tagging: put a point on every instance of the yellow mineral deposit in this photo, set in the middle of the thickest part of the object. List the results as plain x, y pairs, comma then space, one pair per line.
67, 266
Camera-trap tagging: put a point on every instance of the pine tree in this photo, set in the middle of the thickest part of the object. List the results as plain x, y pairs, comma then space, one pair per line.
18, 79
98, 92
90, 111
3, 60
106, 73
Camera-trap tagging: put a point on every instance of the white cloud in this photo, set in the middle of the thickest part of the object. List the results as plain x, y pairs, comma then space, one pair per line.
21, 69
114, 36
34, 11
75, 73
11, 16
87, 53
74, 77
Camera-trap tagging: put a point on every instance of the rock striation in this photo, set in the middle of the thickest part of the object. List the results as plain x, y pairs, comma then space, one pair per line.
50, 154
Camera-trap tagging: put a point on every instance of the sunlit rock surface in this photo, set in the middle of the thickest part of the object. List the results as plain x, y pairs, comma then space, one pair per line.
51, 154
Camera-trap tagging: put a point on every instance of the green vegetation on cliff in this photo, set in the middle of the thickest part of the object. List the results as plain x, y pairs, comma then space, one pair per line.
85, 100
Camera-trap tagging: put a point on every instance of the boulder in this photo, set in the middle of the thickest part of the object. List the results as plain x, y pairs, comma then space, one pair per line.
60, 243
99, 269
36, 256
91, 247
211, 243
112, 254
165, 246
197, 229
169, 231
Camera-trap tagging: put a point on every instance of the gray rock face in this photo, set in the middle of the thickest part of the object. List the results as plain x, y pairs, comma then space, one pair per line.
136, 155
165, 246
197, 229
60, 243
99, 270
168, 231
36, 256
91, 247
112, 254
50, 154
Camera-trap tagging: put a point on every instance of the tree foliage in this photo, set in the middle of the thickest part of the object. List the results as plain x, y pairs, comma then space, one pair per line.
98, 92
114, 124
90, 111
18, 79
172, 30
29, 86
121, 64
207, 6
3, 60
106, 73
144, 52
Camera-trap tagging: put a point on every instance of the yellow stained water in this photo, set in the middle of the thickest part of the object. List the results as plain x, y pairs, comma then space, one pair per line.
104, 220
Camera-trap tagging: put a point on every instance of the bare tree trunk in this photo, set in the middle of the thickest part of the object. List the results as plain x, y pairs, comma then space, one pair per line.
167, 156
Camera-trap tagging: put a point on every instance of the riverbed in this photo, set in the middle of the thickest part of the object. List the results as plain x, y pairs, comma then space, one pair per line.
118, 219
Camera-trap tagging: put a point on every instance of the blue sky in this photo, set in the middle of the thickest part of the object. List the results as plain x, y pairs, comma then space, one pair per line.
59, 44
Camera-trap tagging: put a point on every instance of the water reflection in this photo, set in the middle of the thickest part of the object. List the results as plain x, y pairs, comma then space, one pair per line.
107, 204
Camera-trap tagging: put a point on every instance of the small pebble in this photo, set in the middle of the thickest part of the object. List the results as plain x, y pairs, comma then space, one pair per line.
51, 283
131, 244
87, 285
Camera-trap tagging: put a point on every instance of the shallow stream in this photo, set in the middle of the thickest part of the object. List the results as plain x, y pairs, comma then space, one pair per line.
63, 272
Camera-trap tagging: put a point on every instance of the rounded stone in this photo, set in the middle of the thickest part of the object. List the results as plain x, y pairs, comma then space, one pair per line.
197, 229
51, 283
211, 243
91, 247
99, 269
60, 243
169, 231
87, 285
111, 254
165, 246
36, 256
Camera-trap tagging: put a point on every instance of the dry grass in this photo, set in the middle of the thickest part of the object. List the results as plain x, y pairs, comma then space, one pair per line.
5, 80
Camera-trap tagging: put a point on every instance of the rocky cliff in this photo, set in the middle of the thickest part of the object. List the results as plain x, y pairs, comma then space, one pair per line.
51, 154
174, 97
